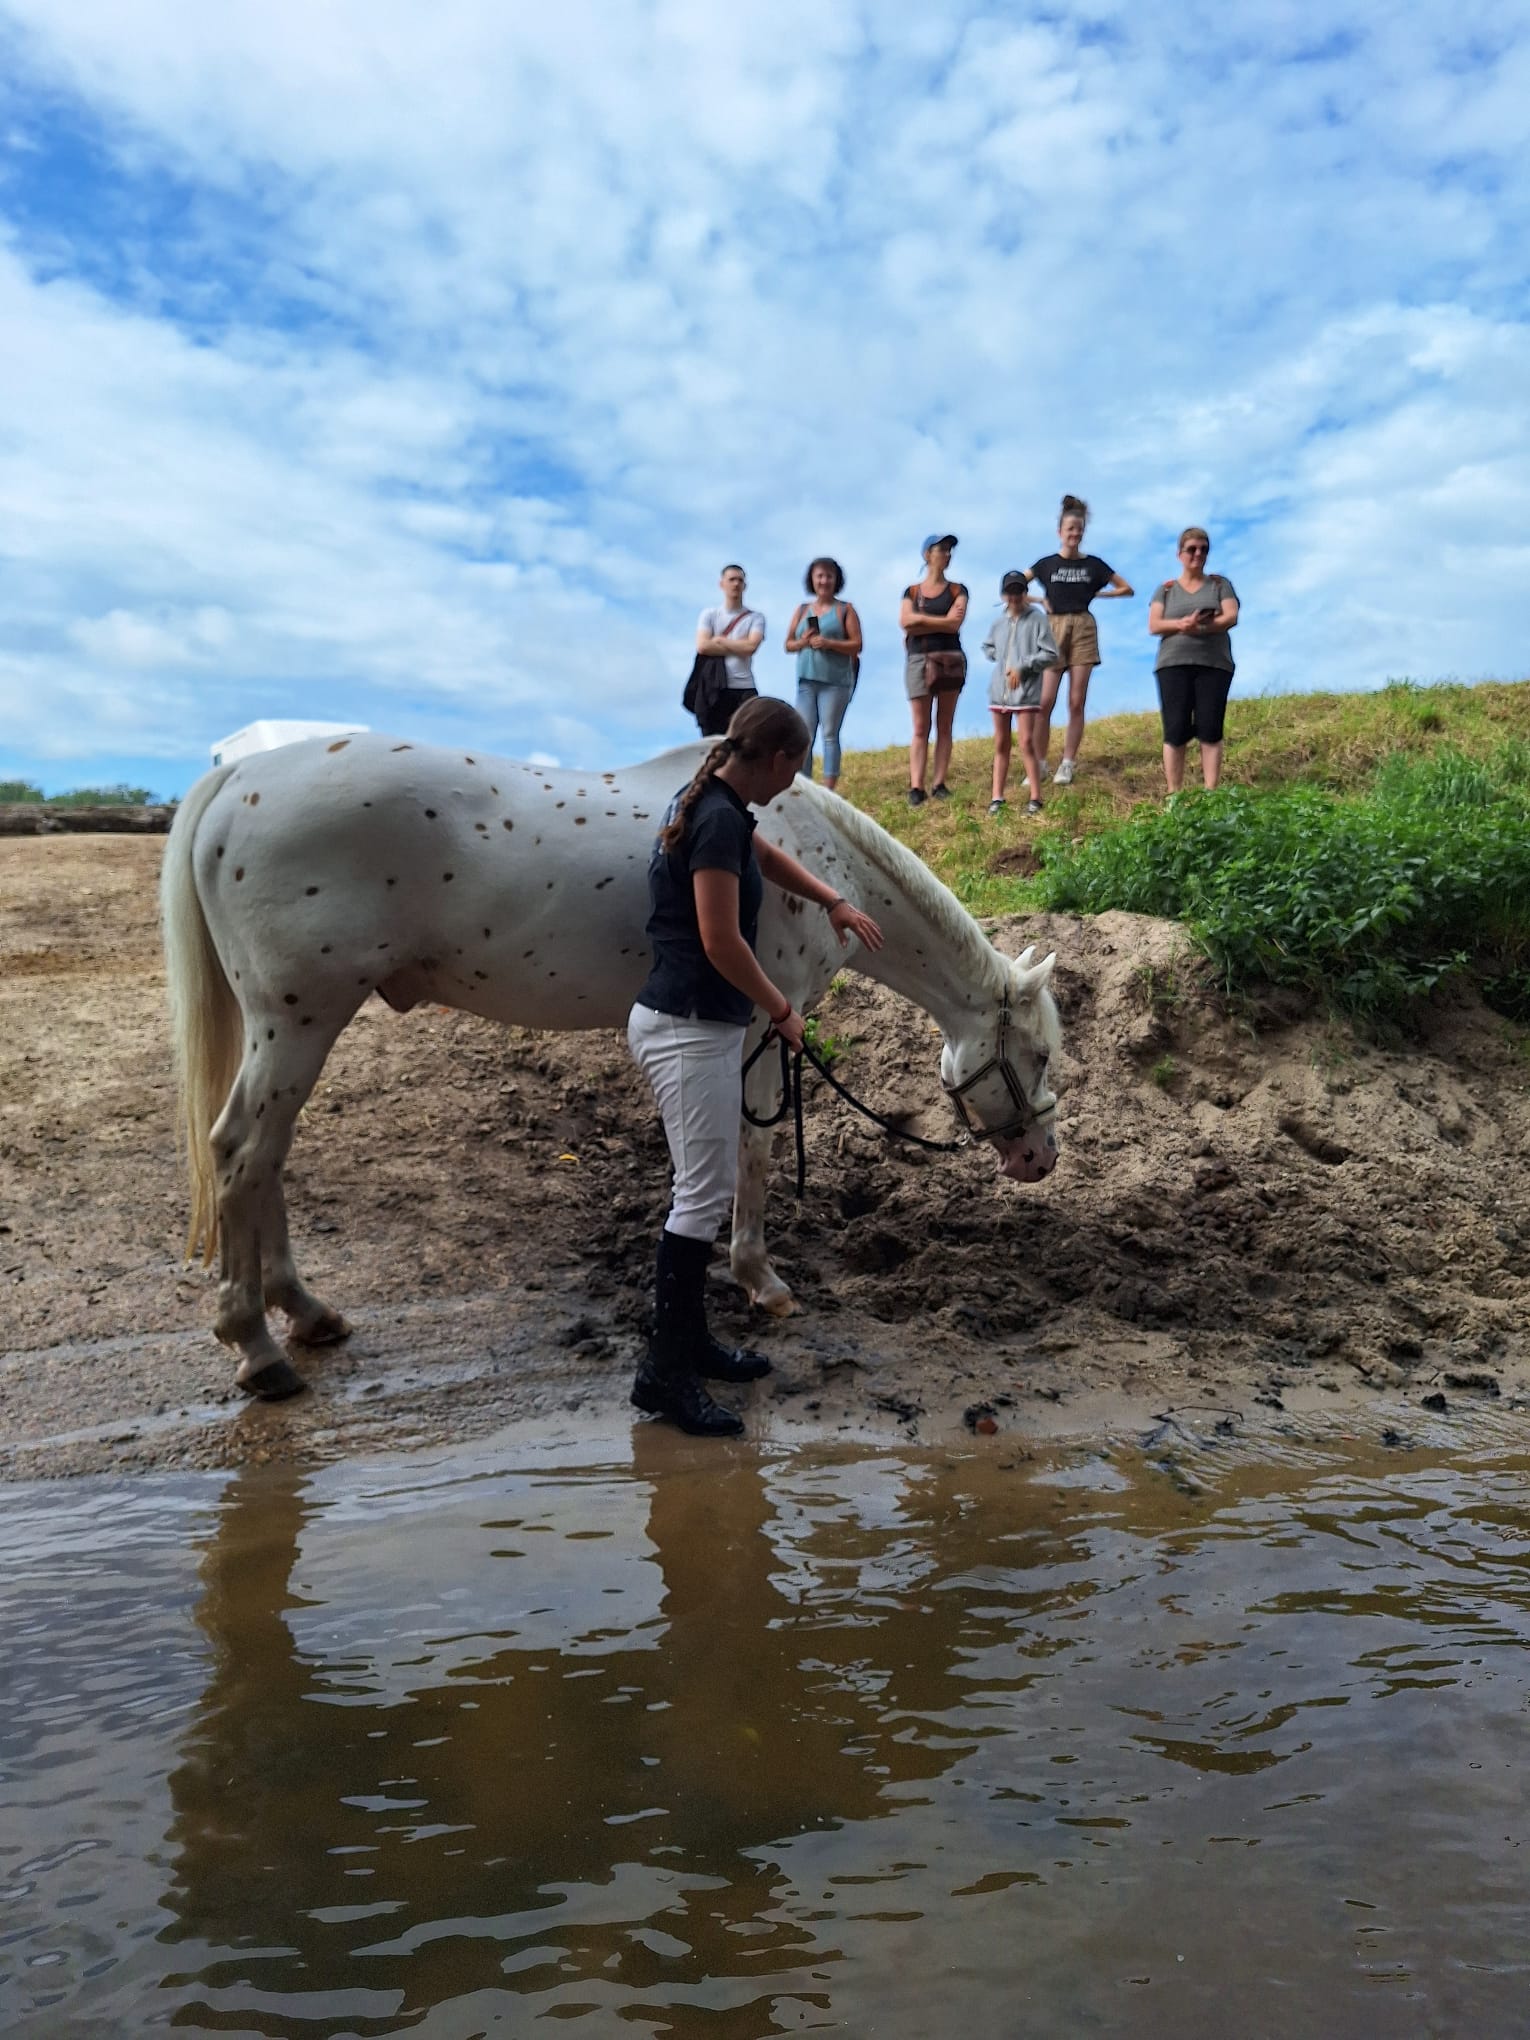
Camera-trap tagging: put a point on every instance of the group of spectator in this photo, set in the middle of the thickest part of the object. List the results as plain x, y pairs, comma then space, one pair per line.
1031, 649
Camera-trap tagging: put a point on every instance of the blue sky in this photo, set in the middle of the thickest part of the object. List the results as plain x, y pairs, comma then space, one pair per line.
423, 366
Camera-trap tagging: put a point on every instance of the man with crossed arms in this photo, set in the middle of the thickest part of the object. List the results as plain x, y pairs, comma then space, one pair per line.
734, 634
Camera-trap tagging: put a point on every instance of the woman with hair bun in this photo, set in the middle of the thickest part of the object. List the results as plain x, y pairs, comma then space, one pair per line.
826, 636
686, 1030
1191, 617
1071, 580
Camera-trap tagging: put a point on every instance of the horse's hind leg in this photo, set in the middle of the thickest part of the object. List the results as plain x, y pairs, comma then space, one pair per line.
249, 1144
310, 1321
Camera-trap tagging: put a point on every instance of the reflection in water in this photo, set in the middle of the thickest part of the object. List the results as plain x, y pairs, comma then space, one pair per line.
739, 1743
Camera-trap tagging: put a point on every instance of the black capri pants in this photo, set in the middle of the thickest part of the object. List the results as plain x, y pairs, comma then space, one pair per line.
1193, 700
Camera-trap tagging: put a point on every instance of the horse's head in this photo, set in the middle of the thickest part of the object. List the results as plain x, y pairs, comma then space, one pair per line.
995, 1071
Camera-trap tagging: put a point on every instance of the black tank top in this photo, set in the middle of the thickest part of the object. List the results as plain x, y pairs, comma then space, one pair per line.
934, 605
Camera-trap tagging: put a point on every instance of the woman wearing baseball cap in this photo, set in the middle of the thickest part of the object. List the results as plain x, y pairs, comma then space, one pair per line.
935, 668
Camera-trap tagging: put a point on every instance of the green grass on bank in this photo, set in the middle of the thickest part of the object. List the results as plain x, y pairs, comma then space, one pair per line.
1364, 846
1366, 901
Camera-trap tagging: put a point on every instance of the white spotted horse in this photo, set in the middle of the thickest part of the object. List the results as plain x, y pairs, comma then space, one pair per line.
300, 881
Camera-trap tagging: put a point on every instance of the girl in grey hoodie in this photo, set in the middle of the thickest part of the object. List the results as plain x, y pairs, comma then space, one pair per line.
1022, 647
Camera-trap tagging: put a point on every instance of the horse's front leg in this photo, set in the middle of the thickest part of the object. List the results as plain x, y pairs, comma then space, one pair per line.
764, 1094
747, 1256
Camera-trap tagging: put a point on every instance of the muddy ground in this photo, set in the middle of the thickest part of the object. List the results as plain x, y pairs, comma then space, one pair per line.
1241, 1226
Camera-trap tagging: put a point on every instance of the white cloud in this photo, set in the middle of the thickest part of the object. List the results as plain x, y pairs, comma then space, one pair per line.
443, 359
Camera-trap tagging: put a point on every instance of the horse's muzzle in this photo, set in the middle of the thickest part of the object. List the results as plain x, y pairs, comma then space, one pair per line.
1029, 1157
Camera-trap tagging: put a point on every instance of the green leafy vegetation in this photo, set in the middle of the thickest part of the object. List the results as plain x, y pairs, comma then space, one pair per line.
1160, 989
826, 1046
1368, 901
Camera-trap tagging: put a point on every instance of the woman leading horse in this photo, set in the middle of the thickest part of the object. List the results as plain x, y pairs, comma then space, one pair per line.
686, 1030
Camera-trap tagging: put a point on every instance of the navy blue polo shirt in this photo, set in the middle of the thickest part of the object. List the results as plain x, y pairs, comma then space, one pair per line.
719, 837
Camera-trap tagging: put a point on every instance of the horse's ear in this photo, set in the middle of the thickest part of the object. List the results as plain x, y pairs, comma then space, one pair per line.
1023, 959
1029, 978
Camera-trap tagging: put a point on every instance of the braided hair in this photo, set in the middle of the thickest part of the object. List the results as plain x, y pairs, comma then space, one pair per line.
759, 729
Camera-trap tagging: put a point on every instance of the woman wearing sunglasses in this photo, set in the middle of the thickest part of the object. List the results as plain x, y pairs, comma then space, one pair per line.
1191, 618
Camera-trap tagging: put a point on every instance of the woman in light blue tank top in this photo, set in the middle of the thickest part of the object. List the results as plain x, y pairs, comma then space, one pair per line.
826, 636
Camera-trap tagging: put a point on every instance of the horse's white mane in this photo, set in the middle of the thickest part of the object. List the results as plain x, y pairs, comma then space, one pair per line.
911, 876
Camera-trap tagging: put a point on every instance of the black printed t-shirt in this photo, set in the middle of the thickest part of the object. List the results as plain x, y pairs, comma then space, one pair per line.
1071, 585
718, 837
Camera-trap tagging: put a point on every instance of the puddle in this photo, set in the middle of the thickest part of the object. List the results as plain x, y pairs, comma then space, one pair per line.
731, 1742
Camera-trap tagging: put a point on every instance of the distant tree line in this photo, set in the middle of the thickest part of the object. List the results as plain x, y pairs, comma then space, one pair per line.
18, 790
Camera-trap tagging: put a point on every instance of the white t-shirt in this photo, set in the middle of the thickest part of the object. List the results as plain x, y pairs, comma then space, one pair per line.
747, 623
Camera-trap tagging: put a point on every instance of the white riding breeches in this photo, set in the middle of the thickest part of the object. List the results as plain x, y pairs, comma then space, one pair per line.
694, 1067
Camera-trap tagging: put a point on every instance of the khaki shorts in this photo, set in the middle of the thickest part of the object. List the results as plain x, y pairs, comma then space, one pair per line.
1078, 640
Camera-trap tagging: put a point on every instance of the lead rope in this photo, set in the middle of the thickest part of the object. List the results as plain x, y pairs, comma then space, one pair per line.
791, 1100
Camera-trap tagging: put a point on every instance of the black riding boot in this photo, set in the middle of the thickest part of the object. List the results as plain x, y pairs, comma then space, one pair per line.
713, 1360
668, 1383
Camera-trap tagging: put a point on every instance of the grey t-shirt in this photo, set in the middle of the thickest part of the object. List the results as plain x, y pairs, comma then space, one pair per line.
737, 623
1194, 651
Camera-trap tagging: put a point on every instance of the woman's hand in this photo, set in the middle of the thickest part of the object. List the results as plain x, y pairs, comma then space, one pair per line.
847, 920
791, 1029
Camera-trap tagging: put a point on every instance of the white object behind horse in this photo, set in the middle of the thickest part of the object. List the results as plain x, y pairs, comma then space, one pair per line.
270, 735
299, 881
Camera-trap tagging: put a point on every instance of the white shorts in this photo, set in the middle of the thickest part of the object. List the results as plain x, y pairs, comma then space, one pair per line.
694, 1067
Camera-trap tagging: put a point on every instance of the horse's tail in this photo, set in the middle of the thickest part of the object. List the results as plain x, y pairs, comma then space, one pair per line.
204, 1018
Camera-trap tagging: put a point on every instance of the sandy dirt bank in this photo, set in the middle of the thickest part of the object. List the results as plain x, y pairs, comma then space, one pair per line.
1241, 1226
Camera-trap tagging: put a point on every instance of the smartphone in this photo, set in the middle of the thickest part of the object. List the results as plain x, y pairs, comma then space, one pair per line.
1207, 615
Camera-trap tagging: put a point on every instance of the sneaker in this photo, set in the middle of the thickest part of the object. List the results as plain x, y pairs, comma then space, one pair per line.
1065, 772
916, 796
941, 792
1033, 807
1046, 772
997, 807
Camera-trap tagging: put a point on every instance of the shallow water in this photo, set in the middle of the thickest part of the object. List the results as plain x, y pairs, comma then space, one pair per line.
713, 1741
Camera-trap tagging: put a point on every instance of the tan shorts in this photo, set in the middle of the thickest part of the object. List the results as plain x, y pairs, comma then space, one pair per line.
1078, 640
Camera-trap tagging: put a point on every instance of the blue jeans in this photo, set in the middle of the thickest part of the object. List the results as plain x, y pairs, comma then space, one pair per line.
825, 702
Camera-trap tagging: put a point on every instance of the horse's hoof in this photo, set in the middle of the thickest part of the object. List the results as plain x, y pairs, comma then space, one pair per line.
776, 1302
272, 1383
327, 1329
